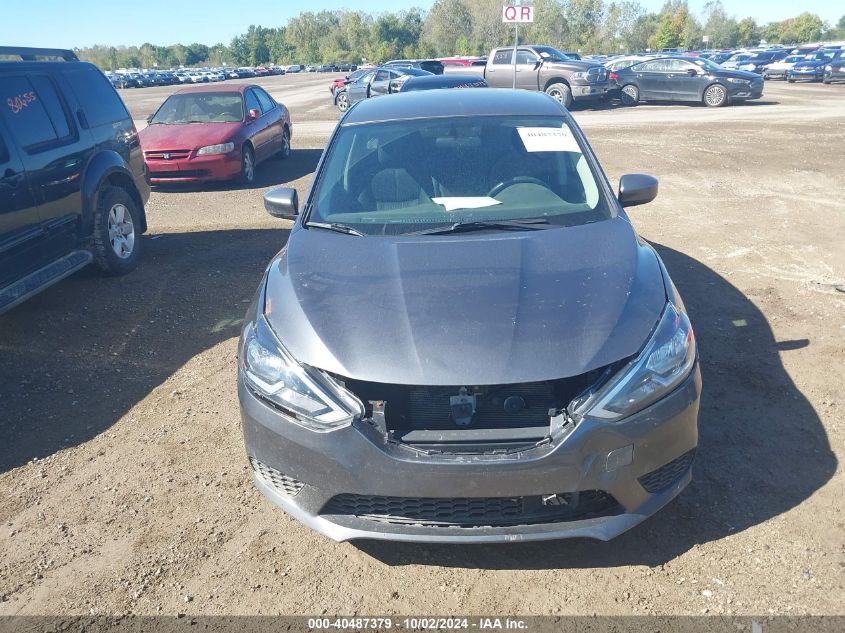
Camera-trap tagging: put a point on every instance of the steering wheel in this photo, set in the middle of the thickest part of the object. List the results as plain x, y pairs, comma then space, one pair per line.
510, 182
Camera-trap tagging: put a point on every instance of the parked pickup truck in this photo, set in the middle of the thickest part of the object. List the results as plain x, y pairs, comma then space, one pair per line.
542, 68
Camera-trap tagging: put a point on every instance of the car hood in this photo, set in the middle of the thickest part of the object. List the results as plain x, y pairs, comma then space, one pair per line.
737, 74
475, 309
574, 64
187, 135
811, 64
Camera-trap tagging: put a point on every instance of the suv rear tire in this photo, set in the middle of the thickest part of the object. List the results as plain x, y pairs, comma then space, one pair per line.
560, 93
117, 234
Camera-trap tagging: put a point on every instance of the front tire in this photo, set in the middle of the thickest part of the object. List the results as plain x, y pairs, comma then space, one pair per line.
247, 176
284, 152
560, 93
715, 96
630, 95
117, 222
342, 101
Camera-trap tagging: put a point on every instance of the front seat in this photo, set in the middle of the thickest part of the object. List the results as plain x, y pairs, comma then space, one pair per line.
392, 187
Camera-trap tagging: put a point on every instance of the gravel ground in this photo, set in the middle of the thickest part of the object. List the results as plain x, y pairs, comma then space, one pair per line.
125, 484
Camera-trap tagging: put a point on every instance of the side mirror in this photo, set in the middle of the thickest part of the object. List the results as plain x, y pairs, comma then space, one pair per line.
252, 115
637, 189
692, 72
282, 203
150, 117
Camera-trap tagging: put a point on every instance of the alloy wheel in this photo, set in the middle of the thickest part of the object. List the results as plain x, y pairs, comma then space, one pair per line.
121, 231
715, 95
248, 166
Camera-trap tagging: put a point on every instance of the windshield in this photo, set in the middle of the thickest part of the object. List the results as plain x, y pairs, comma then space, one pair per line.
201, 107
550, 54
400, 177
826, 54
706, 64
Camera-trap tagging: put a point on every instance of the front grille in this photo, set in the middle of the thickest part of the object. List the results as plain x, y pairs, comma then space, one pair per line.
285, 484
188, 173
429, 407
597, 74
173, 154
662, 478
469, 512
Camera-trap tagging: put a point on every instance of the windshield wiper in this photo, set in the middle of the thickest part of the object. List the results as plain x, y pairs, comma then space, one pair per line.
334, 226
499, 225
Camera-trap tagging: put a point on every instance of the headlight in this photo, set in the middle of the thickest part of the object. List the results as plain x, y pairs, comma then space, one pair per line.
310, 397
828, 67
665, 361
579, 76
222, 148
737, 80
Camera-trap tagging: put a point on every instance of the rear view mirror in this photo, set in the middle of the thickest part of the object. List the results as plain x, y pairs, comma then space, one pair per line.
282, 203
252, 114
637, 189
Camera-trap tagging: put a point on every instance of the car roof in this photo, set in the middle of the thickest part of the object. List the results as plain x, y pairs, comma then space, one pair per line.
428, 104
216, 88
443, 80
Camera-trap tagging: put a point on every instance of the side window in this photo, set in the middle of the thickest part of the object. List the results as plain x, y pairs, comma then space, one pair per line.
28, 110
96, 95
524, 56
503, 56
252, 101
264, 99
678, 66
382, 75
655, 66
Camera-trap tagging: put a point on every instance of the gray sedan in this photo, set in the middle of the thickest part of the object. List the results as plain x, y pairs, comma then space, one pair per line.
464, 339
376, 83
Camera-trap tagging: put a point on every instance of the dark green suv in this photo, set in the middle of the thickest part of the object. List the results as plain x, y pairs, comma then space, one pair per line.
72, 178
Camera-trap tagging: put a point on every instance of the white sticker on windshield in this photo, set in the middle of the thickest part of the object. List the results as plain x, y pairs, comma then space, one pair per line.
468, 202
548, 139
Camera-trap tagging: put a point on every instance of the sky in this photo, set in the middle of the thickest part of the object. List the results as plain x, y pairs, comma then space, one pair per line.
80, 23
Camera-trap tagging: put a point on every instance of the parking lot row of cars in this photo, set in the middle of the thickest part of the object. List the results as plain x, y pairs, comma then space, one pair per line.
144, 78
811, 62
714, 78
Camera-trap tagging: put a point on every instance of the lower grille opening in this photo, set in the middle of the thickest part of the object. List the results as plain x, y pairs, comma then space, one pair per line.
284, 484
471, 512
188, 173
469, 418
663, 477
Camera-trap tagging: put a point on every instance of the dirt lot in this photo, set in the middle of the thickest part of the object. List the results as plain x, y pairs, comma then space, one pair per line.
125, 484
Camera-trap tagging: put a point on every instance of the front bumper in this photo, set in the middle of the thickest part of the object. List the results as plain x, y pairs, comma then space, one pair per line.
195, 168
811, 75
358, 461
745, 92
589, 91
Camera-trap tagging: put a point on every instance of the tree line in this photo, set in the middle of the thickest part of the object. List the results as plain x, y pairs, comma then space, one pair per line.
472, 27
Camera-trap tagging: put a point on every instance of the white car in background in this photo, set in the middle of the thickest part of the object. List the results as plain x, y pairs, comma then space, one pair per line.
779, 70
624, 62
735, 60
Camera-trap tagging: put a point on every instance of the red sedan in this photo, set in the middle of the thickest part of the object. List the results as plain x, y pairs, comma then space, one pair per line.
214, 133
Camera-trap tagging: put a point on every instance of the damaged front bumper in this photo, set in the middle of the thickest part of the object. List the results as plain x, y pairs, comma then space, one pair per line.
352, 483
